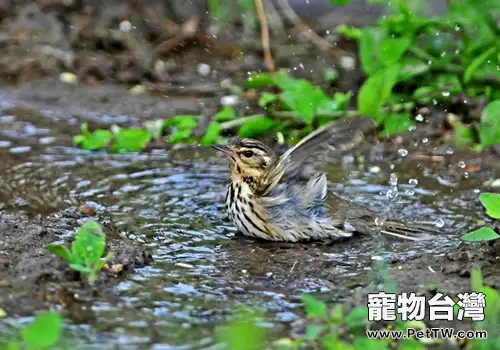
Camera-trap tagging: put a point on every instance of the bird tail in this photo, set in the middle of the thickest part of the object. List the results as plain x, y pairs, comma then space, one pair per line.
415, 231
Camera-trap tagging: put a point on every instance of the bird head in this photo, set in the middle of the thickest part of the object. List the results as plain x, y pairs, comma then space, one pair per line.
248, 158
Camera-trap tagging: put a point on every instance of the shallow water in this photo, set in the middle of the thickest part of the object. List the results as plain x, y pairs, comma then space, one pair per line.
203, 270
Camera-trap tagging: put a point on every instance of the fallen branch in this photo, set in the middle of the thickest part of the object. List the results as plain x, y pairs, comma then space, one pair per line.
306, 31
264, 30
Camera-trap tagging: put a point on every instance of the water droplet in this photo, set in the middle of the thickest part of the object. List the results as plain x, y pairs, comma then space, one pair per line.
425, 140
461, 164
393, 179
5, 144
402, 152
419, 118
413, 182
203, 69
379, 221
392, 194
439, 223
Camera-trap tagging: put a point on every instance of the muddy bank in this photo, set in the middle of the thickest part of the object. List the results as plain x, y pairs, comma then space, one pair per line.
34, 279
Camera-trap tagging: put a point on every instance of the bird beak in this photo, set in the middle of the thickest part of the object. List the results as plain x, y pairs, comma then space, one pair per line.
224, 149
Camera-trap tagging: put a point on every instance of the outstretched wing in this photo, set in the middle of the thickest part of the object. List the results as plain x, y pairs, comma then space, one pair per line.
341, 133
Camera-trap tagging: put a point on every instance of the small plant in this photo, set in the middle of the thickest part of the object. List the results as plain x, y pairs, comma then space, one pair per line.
491, 201
486, 132
86, 252
121, 140
43, 333
409, 60
432, 59
491, 313
242, 333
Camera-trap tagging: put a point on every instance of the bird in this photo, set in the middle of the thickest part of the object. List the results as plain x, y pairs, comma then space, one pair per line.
265, 200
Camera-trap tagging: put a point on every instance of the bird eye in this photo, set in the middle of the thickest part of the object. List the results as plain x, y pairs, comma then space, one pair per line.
248, 153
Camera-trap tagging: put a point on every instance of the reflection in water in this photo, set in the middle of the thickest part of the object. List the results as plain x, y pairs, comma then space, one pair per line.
173, 202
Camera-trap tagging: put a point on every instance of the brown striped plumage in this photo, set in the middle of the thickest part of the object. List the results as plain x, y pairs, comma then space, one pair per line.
262, 204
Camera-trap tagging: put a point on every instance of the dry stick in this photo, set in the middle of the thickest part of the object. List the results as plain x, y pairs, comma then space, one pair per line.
265, 36
305, 30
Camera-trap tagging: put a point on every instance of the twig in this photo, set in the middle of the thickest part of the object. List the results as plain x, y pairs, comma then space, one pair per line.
275, 22
264, 30
333, 114
305, 30
185, 32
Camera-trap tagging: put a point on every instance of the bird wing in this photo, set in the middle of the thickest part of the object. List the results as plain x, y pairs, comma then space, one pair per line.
342, 133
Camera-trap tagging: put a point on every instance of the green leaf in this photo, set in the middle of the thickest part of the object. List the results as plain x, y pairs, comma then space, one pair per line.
396, 123
256, 127
423, 94
349, 32
340, 2
13, 345
411, 344
243, 333
44, 332
259, 81
225, 114
89, 244
60, 251
313, 331
357, 318
179, 135
211, 134
182, 122
315, 308
480, 235
368, 45
337, 314
95, 140
464, 136
267, 98
478, 62
303, 98
376, 90
370, 344
131, 140
77, 139
412, 68
331, 342
489, 127
284, 80
491, 201
392, 49
476, 279
83, 269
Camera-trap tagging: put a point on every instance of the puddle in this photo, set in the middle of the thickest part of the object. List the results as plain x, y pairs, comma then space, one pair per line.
203, 271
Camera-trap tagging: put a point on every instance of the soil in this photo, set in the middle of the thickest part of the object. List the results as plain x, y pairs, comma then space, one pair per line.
32, 278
